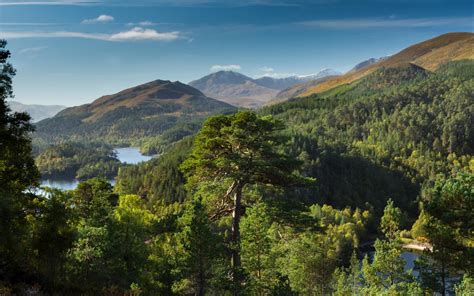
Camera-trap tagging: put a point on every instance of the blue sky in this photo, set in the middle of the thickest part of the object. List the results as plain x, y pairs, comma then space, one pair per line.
71, 52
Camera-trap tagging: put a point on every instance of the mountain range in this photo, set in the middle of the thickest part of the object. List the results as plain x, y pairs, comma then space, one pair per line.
242, 91
37, 112
175, 109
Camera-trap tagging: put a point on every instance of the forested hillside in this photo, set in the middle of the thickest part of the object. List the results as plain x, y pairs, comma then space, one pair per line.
386, 134
381, 137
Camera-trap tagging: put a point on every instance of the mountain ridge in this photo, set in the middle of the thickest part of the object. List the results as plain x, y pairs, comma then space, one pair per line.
142, 111
428, 54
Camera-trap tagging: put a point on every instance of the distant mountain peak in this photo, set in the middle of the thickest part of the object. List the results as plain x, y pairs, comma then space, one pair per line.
240, 90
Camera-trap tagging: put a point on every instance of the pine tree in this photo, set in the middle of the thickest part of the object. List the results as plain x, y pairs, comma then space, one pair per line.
257, 259
241, 149
197, 250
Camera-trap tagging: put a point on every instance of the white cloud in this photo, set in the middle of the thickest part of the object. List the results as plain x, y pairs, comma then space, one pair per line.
139, 33
134, 34
100, 19
386, 22
266, 69
216, 68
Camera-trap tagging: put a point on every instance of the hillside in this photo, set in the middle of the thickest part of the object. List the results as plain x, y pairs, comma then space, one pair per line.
146, 110
428, 54
242, 91
37, 112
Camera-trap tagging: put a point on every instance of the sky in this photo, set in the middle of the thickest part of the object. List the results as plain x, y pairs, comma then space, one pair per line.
70, 52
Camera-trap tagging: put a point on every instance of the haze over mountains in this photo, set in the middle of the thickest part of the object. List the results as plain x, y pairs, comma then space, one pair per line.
242, 91
37, 112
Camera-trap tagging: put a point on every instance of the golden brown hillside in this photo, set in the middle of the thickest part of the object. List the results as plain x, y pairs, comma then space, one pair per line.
145, 110
429, 54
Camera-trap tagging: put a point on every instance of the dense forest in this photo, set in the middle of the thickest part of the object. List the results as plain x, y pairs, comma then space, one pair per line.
78, 161
315, 196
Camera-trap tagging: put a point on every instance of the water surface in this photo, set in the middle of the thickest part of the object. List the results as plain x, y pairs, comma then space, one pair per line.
131, 155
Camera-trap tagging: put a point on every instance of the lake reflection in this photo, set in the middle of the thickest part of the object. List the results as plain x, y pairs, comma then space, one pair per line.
128, 155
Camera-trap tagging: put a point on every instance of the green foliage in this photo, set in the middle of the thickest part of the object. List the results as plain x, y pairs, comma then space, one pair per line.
466, 287
309, 258
387, 268
451, 201
449, 230
460, 69
240, 147
418, 229
257, 259
52, 235
233, 152
197, 251
159, 144
391, 221
347, 281
87, 258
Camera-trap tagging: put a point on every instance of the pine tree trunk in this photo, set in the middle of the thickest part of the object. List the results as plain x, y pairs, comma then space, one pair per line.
235, 239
